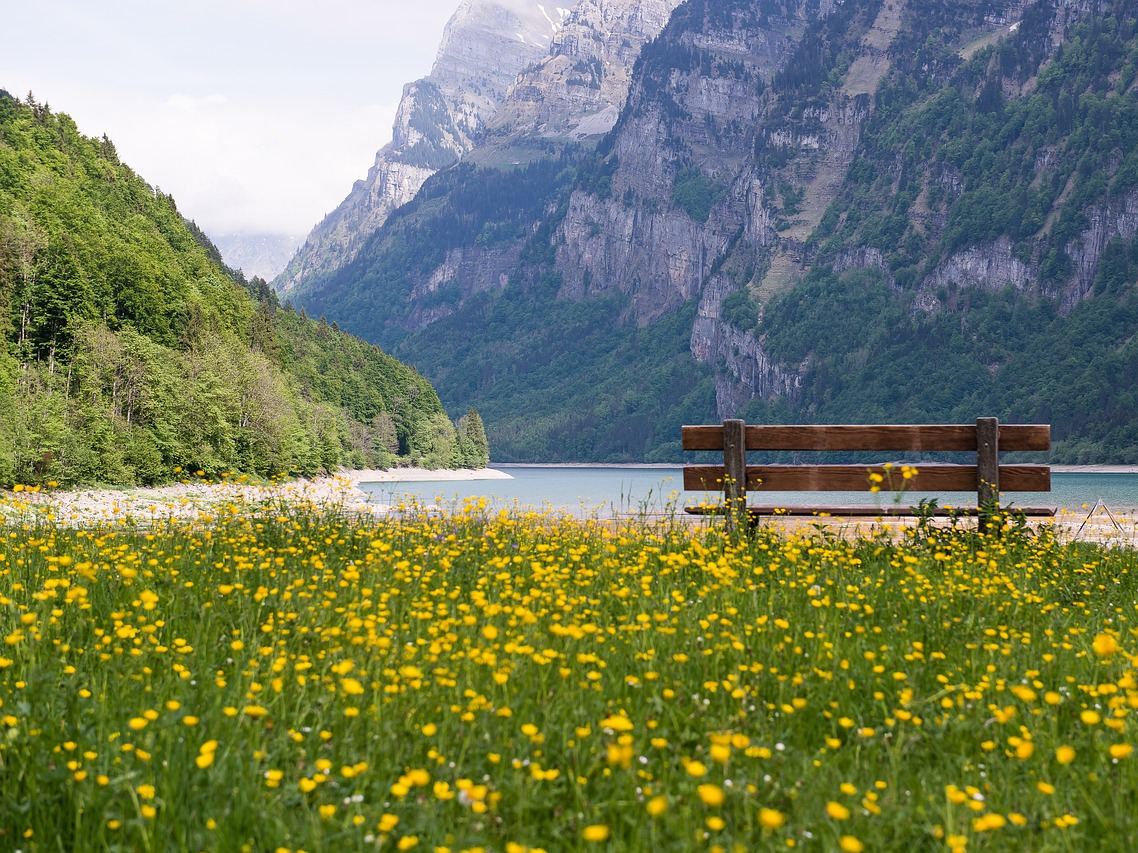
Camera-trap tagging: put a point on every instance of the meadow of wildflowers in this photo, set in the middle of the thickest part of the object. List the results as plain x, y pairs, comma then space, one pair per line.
299, 679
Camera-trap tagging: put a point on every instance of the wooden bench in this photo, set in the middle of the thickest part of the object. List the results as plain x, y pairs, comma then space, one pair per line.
735, 478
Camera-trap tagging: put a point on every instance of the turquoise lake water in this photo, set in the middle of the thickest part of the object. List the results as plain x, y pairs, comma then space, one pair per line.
603, 491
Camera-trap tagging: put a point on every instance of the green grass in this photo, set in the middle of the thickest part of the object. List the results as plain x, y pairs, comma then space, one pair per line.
499, 681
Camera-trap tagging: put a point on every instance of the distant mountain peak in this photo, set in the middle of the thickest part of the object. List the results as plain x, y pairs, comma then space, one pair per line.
261, 255
484, 46
507, 71
577, 91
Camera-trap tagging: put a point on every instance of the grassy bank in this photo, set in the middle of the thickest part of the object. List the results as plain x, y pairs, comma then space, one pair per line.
306, 681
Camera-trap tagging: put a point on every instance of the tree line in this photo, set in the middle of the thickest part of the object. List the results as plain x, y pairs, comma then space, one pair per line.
129, 352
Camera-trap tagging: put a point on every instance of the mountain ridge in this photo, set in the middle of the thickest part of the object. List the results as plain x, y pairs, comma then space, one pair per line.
559, 87
484, 44
754, 184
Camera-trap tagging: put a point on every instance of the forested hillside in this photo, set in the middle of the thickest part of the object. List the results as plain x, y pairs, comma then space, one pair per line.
556, 379
872, 211
981, 254
130, 353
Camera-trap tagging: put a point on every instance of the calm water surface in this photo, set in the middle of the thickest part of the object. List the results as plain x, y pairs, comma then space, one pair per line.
587, 491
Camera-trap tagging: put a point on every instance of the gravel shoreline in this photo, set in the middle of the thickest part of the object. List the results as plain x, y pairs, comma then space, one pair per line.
195, 499
206, 500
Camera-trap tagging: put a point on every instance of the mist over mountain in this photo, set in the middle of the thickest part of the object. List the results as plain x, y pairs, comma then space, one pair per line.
806, 211
257, 255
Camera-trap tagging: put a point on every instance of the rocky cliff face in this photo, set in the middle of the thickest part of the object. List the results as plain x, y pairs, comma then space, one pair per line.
691, 207
994, 266
744, 369
578, 90
724, 108
886, 153
1116, 219
679, 196
484, 46
506, 70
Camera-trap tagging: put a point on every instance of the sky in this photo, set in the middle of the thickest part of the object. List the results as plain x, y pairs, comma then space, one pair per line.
255, 115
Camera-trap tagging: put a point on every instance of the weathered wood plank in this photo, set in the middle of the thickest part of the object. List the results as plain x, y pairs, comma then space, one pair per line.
855, 478
987, 466
735, 467
881, 437
859, 511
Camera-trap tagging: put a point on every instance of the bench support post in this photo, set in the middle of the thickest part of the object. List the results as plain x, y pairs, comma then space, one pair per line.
735, 481
987, 468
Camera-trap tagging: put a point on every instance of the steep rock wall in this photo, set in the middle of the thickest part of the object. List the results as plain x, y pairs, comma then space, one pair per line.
484, 46
690, 117
994, 266
744, 369
1108, 221
577, 91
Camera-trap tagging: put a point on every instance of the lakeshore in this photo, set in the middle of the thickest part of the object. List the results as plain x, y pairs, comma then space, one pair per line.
377, 493
195, 498
1095, 469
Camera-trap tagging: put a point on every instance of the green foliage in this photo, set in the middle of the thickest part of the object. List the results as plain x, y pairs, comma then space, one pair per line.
872, 359
820, 57
1026, 168
463, 206
695, 194
434, 443
987, 156
554, 379
129, 351
740, 309
359, 379
472, 443
561, 380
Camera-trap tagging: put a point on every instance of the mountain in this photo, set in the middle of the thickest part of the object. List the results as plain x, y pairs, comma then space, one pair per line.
510, 84
576, 92
130, 353
859, 211
484, 46
257, 255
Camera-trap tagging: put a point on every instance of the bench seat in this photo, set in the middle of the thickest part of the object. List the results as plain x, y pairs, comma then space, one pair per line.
863, 511
985, 476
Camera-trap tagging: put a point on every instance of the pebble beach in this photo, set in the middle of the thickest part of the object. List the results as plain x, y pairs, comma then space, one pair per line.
199, 498
204, 499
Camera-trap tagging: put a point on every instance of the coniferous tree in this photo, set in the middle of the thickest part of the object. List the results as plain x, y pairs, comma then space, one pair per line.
471, 429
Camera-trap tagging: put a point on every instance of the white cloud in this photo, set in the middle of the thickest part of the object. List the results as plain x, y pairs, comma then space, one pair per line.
188, 103
256, 115
241, 165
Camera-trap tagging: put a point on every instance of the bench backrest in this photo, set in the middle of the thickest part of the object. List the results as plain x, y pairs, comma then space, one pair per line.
986, 438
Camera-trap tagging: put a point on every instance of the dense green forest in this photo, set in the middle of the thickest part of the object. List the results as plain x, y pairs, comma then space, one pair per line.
461, 206
130, 352
570, 384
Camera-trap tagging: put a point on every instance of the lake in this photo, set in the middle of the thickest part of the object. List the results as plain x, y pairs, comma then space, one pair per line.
587, 491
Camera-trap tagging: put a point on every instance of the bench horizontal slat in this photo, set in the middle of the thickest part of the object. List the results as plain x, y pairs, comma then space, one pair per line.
855, 478
919, 437
859, 511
